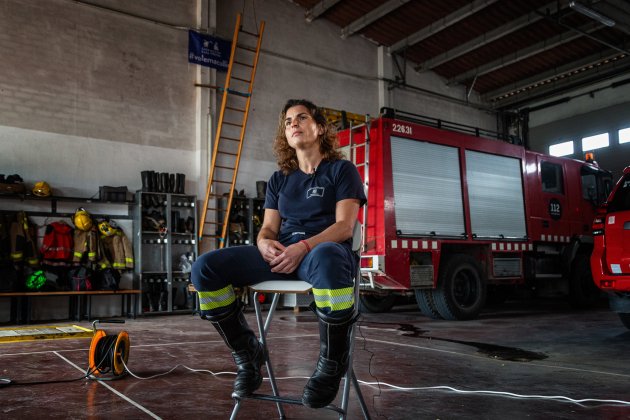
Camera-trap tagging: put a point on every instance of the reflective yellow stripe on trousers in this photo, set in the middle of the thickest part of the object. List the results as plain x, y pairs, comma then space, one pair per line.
221, 298
335, 299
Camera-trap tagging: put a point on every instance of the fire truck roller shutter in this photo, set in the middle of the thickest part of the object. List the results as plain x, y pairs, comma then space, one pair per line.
461, 290
495, 190
427, 182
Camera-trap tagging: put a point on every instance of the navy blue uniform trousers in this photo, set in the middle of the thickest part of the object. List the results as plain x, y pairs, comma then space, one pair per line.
328, 266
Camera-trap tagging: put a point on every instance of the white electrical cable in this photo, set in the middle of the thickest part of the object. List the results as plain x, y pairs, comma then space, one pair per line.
558, 398
172, 369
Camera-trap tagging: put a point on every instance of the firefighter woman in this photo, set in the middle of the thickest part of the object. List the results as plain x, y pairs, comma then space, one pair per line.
311, 207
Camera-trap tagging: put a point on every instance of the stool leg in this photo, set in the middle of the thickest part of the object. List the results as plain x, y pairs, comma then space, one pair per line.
237, 406
262, 329
362, 403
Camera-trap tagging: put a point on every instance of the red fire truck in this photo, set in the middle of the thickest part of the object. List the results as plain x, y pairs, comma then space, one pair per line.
455, 218
610, 260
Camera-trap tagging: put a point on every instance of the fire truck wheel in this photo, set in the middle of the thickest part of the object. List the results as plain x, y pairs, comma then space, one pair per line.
461, 291
376, 303
424, 298
583, 293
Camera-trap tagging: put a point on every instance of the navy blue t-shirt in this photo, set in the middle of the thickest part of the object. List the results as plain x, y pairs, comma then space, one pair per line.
307, 202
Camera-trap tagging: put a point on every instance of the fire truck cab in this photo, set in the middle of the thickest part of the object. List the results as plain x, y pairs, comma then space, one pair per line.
610, 260
456, 218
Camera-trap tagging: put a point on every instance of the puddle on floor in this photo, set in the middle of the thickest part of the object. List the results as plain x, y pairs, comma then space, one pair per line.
512, 354
493, 351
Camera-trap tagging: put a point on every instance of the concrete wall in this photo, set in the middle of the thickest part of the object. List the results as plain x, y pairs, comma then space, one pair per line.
597, 110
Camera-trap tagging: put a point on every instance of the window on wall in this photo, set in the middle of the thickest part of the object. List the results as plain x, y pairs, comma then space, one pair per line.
551, 177
595, 142
624, 135
561, 149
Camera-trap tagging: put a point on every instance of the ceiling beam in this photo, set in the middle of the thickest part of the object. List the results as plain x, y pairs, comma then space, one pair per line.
619, 4
620, 11
371, 17
446, 21
552, 79
319, 9
524, 53
488, 37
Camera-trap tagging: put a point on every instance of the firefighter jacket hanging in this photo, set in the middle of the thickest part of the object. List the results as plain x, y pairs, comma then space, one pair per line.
57, 245
23, 237
85, 246
118, 250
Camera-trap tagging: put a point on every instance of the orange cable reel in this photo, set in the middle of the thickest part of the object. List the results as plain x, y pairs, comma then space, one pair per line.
108, 354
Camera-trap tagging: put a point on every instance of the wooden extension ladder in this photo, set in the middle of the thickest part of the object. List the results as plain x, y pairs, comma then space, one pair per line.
230, 133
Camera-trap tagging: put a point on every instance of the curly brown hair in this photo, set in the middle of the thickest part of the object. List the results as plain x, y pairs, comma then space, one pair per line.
328, 141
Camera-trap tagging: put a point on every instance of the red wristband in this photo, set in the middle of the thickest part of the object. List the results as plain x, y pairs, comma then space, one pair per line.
308, 247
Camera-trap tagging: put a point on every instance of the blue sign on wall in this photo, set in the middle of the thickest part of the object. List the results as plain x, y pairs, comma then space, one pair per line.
208, 50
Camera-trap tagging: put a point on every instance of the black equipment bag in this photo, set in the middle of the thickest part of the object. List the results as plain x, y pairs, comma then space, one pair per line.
80, 278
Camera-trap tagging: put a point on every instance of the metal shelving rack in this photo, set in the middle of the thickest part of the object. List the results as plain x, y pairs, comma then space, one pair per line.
164, 286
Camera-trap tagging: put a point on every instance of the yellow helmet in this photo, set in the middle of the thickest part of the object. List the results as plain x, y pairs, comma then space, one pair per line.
41, 189
82, 219
105, 228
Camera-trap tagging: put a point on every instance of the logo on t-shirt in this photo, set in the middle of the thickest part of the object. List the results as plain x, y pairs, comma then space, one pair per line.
315, 192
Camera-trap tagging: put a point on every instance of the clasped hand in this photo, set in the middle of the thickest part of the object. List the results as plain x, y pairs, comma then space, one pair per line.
282, 259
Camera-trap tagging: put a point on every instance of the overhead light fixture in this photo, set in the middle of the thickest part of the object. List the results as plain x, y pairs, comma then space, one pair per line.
555, 78
591, 13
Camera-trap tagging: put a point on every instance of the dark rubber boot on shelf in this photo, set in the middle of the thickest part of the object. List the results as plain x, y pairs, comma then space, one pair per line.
144, 175
155, 298
164, 182
171, 183
247, 351
156, 181
174, 298
163, 301
334, 352
190, 225
147, 185
180, 183
175, 222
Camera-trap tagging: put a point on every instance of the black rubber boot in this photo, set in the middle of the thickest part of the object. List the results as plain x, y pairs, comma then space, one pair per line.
180, 182
175, 222
247, 351
156, 181
171, 183
164, 182
144, 175
334, 352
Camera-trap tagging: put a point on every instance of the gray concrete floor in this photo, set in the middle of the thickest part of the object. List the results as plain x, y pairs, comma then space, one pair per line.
534, 348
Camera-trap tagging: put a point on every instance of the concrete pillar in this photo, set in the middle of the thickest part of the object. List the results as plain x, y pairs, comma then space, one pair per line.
385, 71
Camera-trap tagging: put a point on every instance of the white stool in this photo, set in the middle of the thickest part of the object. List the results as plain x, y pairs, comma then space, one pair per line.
278, 288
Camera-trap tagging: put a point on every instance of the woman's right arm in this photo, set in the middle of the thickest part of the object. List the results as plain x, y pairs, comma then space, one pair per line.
267, 240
